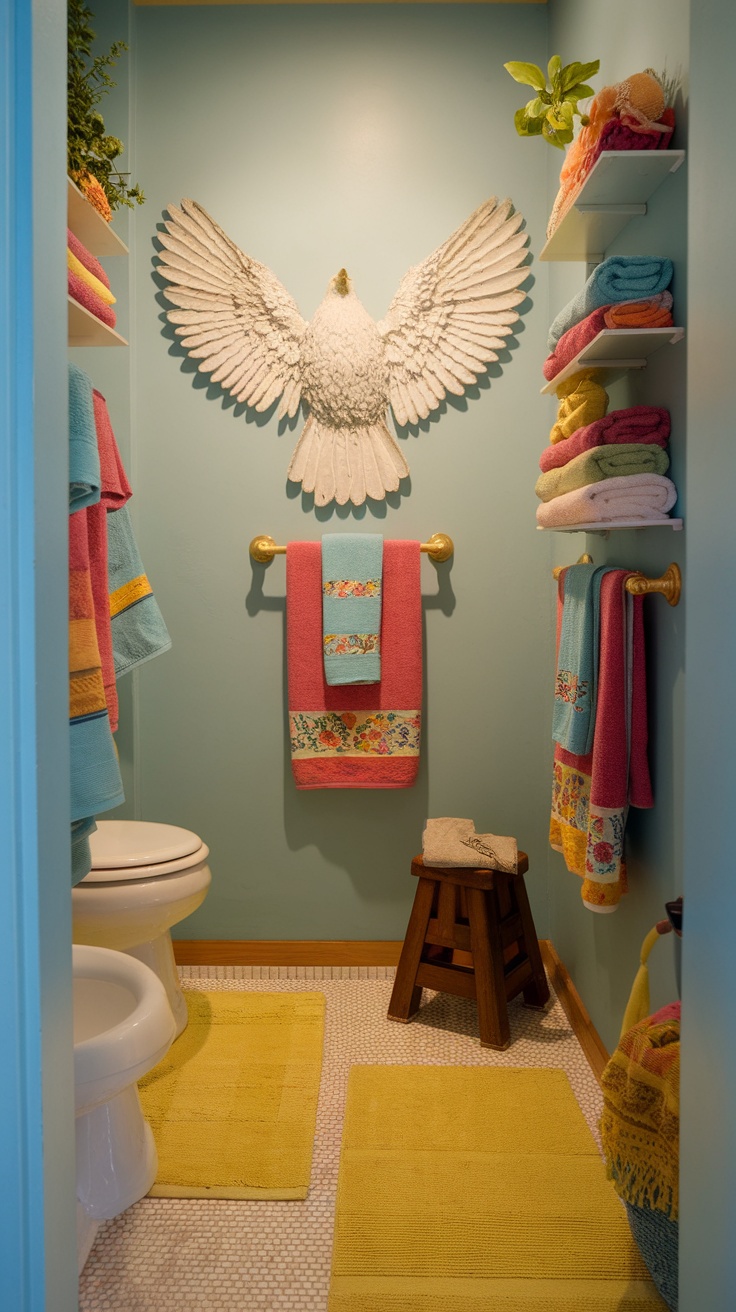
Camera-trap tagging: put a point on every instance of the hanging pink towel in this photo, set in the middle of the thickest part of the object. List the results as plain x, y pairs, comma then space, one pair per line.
591, 794
359, 736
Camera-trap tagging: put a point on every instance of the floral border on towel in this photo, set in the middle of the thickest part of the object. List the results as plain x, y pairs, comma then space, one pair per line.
570, 796
569, 688
351, 644
350, 733
352, 588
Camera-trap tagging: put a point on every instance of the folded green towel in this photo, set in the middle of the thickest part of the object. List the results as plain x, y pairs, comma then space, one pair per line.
352, 567
599, 463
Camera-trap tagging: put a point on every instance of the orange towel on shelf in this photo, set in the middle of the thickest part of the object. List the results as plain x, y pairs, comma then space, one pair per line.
592, 793
654, 312
364, 735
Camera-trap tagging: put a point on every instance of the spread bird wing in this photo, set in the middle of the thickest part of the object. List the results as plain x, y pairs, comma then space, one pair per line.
232, 314
451, 313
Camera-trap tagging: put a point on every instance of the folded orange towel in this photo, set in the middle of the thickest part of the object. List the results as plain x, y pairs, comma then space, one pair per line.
655, 312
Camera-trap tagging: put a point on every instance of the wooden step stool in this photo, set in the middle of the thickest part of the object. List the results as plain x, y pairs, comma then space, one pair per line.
471, 933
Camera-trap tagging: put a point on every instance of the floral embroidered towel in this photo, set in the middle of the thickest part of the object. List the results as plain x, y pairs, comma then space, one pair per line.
352, 565
361, 736
573, 716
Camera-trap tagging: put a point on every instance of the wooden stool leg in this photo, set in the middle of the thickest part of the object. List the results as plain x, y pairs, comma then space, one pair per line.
406, 996
490, 985
536, 993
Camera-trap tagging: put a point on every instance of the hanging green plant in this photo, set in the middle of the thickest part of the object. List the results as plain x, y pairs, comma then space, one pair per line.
91, 152
551, 112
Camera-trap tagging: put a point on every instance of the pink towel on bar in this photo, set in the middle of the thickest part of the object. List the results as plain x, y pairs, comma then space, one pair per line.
115, 490
79, 291
658, 315
361, 736
591, 794
85, 257
649, 424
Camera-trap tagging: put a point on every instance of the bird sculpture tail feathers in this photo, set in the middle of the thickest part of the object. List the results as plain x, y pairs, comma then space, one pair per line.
347, 464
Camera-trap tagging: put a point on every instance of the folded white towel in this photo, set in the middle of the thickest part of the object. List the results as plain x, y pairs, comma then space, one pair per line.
452, 842
630, 496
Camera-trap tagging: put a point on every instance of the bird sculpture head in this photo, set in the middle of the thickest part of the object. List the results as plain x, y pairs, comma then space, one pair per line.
341, 283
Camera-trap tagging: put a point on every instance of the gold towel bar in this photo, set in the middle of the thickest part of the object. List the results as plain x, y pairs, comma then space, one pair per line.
670, 584
440, 547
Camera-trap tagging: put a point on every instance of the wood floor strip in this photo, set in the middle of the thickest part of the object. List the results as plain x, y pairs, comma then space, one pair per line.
367, 952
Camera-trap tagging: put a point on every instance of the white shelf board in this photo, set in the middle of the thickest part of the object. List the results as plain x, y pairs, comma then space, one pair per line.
85, 329
618, 349
89, 226
617, 188
603, 526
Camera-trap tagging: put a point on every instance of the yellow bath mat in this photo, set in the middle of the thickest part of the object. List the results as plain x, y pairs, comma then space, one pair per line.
474, 1189
233, 1104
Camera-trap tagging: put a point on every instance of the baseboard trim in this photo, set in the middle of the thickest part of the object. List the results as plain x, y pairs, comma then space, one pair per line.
286, 952
381, 952
574, 1008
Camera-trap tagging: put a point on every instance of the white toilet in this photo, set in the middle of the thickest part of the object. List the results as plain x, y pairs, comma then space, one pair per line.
145, 878
123, 1026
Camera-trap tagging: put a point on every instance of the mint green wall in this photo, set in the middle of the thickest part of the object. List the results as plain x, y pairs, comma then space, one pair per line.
319, 137
602, 951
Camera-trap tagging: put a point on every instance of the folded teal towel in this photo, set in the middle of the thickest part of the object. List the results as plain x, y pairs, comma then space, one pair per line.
352, 566
573, 716
84, 456
138, 629
620, 278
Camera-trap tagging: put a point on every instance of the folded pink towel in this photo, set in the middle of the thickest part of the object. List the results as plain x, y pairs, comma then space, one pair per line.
630, 497
85, 257
639, 423
79, 291
362, 735
655, 313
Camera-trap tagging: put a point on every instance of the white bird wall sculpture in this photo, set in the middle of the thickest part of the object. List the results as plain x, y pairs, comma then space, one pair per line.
444, 326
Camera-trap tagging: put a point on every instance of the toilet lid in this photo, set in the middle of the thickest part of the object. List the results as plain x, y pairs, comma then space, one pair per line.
130, 845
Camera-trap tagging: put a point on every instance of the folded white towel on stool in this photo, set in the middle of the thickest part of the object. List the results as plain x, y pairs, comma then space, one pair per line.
449, 841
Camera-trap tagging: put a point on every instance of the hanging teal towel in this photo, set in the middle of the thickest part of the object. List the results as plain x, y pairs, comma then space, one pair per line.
84, 456
138, 629
573, 717
352, 566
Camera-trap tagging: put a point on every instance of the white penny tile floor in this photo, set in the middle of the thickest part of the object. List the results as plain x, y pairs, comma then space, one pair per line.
189, 1255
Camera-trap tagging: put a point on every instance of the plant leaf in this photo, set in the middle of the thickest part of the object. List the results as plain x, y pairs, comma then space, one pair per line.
535, 108
551, 136
554, 72
526, 126
579, 92
560, 117
530, 74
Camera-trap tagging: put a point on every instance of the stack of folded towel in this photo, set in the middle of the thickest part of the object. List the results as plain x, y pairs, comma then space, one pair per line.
87, 282
617, 281
449, 841
612, 469
650, 312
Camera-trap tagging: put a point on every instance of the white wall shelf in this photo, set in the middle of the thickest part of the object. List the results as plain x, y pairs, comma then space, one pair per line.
85, 329
89, 226
615, 191
598, 526
617, 349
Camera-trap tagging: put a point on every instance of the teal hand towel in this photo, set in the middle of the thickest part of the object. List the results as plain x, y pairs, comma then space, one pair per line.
620, 278
352, 565
573, 716
84, 456
138, 629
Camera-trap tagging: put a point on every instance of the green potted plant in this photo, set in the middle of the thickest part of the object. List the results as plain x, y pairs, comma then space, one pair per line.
551, 112
91, 152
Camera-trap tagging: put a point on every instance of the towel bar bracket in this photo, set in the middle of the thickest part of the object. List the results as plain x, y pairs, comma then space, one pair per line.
263, 548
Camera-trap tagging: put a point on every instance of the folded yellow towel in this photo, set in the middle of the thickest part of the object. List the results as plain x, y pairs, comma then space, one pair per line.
582, 401
99, 288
